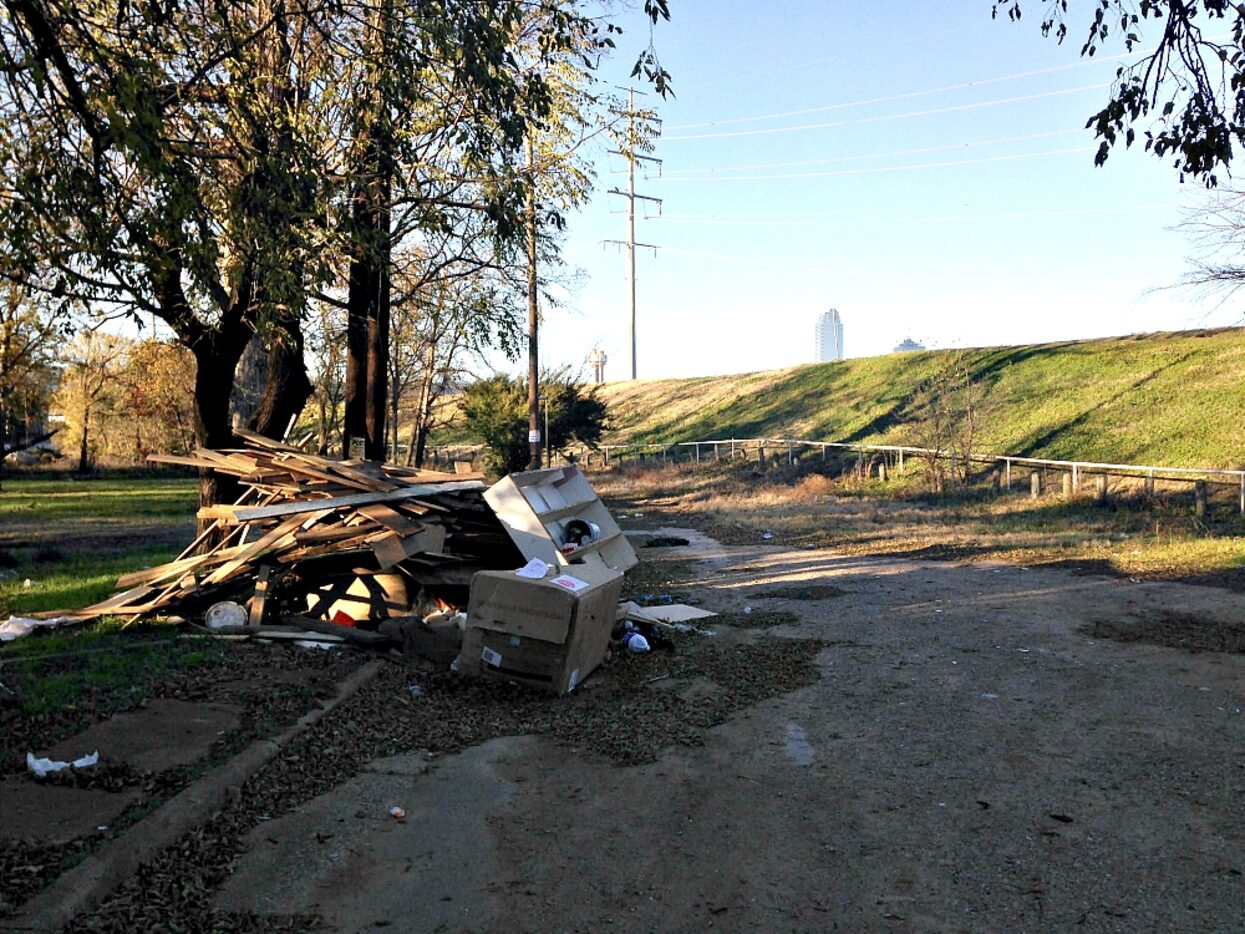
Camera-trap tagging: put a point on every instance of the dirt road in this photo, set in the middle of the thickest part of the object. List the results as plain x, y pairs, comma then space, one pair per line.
972, 757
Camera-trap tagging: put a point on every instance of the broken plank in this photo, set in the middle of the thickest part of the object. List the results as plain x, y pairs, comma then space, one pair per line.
349, 633
350, 499
394, 549
264, 543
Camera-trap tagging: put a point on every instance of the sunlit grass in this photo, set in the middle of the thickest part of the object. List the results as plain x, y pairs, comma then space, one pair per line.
1131, 536
60, 500
74, 582
1163, 399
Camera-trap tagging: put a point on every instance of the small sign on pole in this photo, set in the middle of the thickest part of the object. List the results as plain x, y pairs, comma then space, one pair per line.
533, 437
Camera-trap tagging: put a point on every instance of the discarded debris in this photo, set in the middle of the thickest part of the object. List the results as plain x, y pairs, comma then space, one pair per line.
303, 519
45, 767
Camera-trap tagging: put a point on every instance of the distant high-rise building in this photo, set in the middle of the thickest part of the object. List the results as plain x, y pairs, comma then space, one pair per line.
829, 336
908, 344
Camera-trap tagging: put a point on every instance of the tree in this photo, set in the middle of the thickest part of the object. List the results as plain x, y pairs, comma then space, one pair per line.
31, 330
1191, 85
88, 388
217, 163
944, 421
495, 411
154, 413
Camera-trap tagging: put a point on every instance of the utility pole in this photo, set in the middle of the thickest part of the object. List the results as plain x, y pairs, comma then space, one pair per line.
534, 439
642, 126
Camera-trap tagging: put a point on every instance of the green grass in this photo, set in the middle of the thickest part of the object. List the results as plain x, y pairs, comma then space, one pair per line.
59, 670
76, 581
62, 500
1165, 399
72, 539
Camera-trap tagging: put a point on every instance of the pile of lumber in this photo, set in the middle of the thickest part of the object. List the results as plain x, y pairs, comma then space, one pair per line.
316, 514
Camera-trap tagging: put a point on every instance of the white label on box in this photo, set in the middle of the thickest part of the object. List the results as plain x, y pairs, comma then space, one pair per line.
493, 658
570, 685
573, 584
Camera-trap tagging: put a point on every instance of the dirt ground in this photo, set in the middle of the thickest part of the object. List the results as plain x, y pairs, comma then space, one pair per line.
864, 743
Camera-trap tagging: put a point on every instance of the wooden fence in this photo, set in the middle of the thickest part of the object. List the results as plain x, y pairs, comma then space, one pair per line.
793, 449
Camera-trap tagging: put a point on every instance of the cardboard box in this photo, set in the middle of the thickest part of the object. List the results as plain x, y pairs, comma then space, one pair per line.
535, 507
549, 632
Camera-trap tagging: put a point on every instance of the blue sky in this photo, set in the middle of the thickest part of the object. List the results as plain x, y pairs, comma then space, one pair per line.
918, 166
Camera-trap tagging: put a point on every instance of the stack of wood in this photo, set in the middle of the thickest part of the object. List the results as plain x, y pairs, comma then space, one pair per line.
318, 515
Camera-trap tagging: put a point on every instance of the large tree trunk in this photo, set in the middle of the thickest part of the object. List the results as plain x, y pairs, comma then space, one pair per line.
288, 387
216, 360
367, 311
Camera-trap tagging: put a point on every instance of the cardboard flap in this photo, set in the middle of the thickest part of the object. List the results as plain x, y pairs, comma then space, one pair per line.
536, 609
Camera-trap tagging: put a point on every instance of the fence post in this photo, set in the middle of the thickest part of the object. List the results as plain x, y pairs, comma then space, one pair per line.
1243, 494
1007, 462
1069, 484
1100, 489
790, 456
1150, 484
1199, 498
1076, 479
1035, 484
901, 462
698, 452
823, 459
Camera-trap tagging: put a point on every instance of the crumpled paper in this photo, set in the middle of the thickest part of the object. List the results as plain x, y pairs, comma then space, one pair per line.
44, 767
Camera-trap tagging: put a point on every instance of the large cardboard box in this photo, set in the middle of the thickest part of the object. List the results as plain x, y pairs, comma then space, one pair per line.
549, 632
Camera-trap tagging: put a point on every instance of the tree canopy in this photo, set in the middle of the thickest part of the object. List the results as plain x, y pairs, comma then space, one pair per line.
1186, 95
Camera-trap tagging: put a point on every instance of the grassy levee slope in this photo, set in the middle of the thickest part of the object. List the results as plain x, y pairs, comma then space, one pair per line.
1171, 399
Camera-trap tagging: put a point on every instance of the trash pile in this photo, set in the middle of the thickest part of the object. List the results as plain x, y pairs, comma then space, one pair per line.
321, 519
353, 551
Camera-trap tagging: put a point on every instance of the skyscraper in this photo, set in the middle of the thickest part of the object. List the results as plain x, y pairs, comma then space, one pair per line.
829, 334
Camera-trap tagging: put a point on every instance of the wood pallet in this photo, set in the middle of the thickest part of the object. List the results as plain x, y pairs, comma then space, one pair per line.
298, 509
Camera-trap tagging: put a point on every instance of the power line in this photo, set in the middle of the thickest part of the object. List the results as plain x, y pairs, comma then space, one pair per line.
1027, 137
900, 116
794, 219
891, 98
882, 170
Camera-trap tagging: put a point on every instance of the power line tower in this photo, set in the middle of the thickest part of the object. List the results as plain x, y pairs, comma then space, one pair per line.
642, 127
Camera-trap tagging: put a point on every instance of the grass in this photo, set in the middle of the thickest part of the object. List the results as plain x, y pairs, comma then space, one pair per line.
1169, 399
1132, 536
72, 539
59, 670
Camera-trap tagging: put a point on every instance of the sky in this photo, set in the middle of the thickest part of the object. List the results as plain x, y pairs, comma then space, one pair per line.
919, 166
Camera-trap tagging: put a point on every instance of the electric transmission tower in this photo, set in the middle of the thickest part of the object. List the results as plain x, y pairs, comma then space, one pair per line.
642, 127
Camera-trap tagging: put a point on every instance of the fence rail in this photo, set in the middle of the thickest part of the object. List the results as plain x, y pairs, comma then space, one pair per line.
740, 447
716, 448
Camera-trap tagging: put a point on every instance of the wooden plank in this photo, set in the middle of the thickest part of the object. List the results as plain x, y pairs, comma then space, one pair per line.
394, 549
264, 441
117, 600
390, 518
264, 543
256, 615
350, 499
334, 470
349, 633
